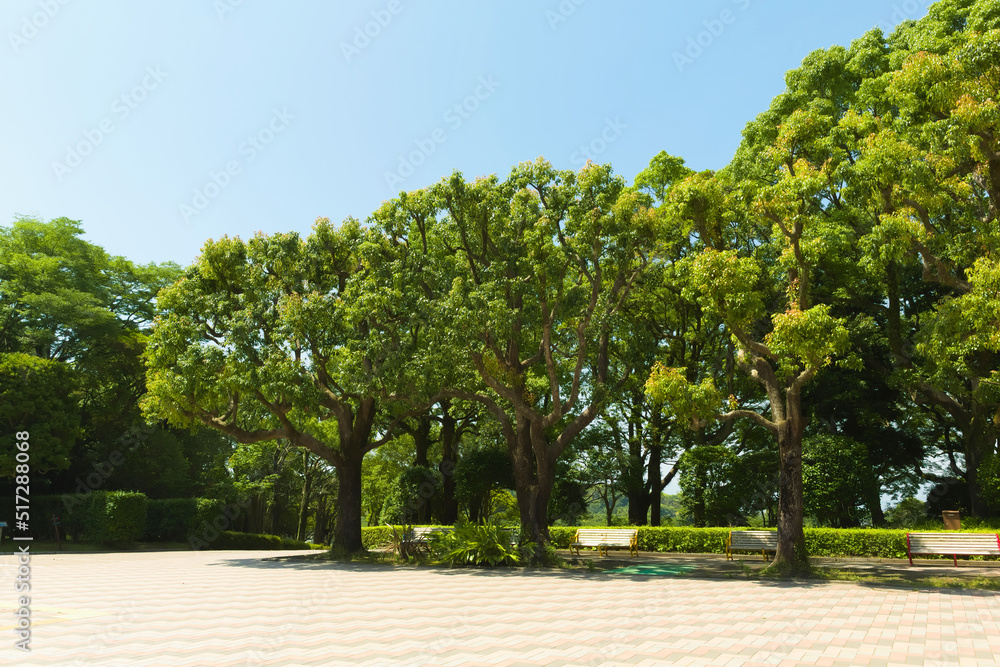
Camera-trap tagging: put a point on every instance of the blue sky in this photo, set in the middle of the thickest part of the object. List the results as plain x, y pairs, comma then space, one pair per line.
162, 125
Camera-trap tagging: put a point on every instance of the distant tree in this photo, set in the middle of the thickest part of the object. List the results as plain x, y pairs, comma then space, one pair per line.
37, 396
66, 302
839, 480
909, 513
478, 476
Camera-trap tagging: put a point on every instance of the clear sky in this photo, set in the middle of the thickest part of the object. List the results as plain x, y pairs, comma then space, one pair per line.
160, 125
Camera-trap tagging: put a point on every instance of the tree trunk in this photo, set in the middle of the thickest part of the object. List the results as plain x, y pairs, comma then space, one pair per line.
655, 490
875, 504
422, 441
791, 554
274, 515
698, 510
638, 493
347, 529
355, 429
534, 477
636, 489
300, 533
319, 533
449, 506
979, 440
533, 503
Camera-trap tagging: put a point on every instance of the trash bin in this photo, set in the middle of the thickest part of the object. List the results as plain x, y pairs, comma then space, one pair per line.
952, 521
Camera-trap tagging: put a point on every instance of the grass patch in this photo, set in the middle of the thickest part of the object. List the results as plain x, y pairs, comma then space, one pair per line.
908, 580
51, 546
652, 570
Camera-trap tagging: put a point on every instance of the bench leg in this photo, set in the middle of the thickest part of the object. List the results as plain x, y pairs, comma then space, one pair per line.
954, 557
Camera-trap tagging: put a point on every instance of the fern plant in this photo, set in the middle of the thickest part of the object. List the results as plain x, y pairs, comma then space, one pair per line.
473, 544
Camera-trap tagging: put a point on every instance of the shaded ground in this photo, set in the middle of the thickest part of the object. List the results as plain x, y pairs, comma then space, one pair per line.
716, 565
229, 608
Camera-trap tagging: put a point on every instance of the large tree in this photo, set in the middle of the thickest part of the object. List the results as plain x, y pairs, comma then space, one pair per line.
875, 160
765, 292
521, 283
927, 176
261, 340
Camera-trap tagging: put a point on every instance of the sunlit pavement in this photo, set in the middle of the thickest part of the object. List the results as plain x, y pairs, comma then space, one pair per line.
233, 608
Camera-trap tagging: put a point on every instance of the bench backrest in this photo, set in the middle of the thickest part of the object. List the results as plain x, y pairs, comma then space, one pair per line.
421, 532
986, 544
753, 539
591, 537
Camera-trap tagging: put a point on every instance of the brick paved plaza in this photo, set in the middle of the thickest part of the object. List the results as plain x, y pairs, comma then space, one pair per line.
232, 608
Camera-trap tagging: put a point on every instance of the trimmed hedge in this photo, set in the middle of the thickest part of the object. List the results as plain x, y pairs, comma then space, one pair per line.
176, 519
228, 539
873, 543
114, 516
836, 542
375, 536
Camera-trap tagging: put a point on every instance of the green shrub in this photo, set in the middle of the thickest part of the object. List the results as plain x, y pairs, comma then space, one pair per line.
562, 536
375, 536
475, 544
835, 542
176, 519
228, 539
683, 539
114, 516
866, 542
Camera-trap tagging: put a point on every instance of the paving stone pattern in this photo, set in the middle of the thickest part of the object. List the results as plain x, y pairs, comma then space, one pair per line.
232, 608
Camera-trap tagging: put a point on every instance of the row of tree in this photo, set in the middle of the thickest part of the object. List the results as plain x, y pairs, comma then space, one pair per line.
828, 301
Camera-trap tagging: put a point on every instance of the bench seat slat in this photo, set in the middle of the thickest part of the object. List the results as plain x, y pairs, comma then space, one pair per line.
952, 544
603, 538
761, 541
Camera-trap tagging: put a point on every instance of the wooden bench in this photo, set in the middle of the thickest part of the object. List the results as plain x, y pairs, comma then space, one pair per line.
420, 534
604, 538
953, 544
764, 541
412, 540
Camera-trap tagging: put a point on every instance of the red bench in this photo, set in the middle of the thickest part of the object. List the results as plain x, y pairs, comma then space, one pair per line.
952, 544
